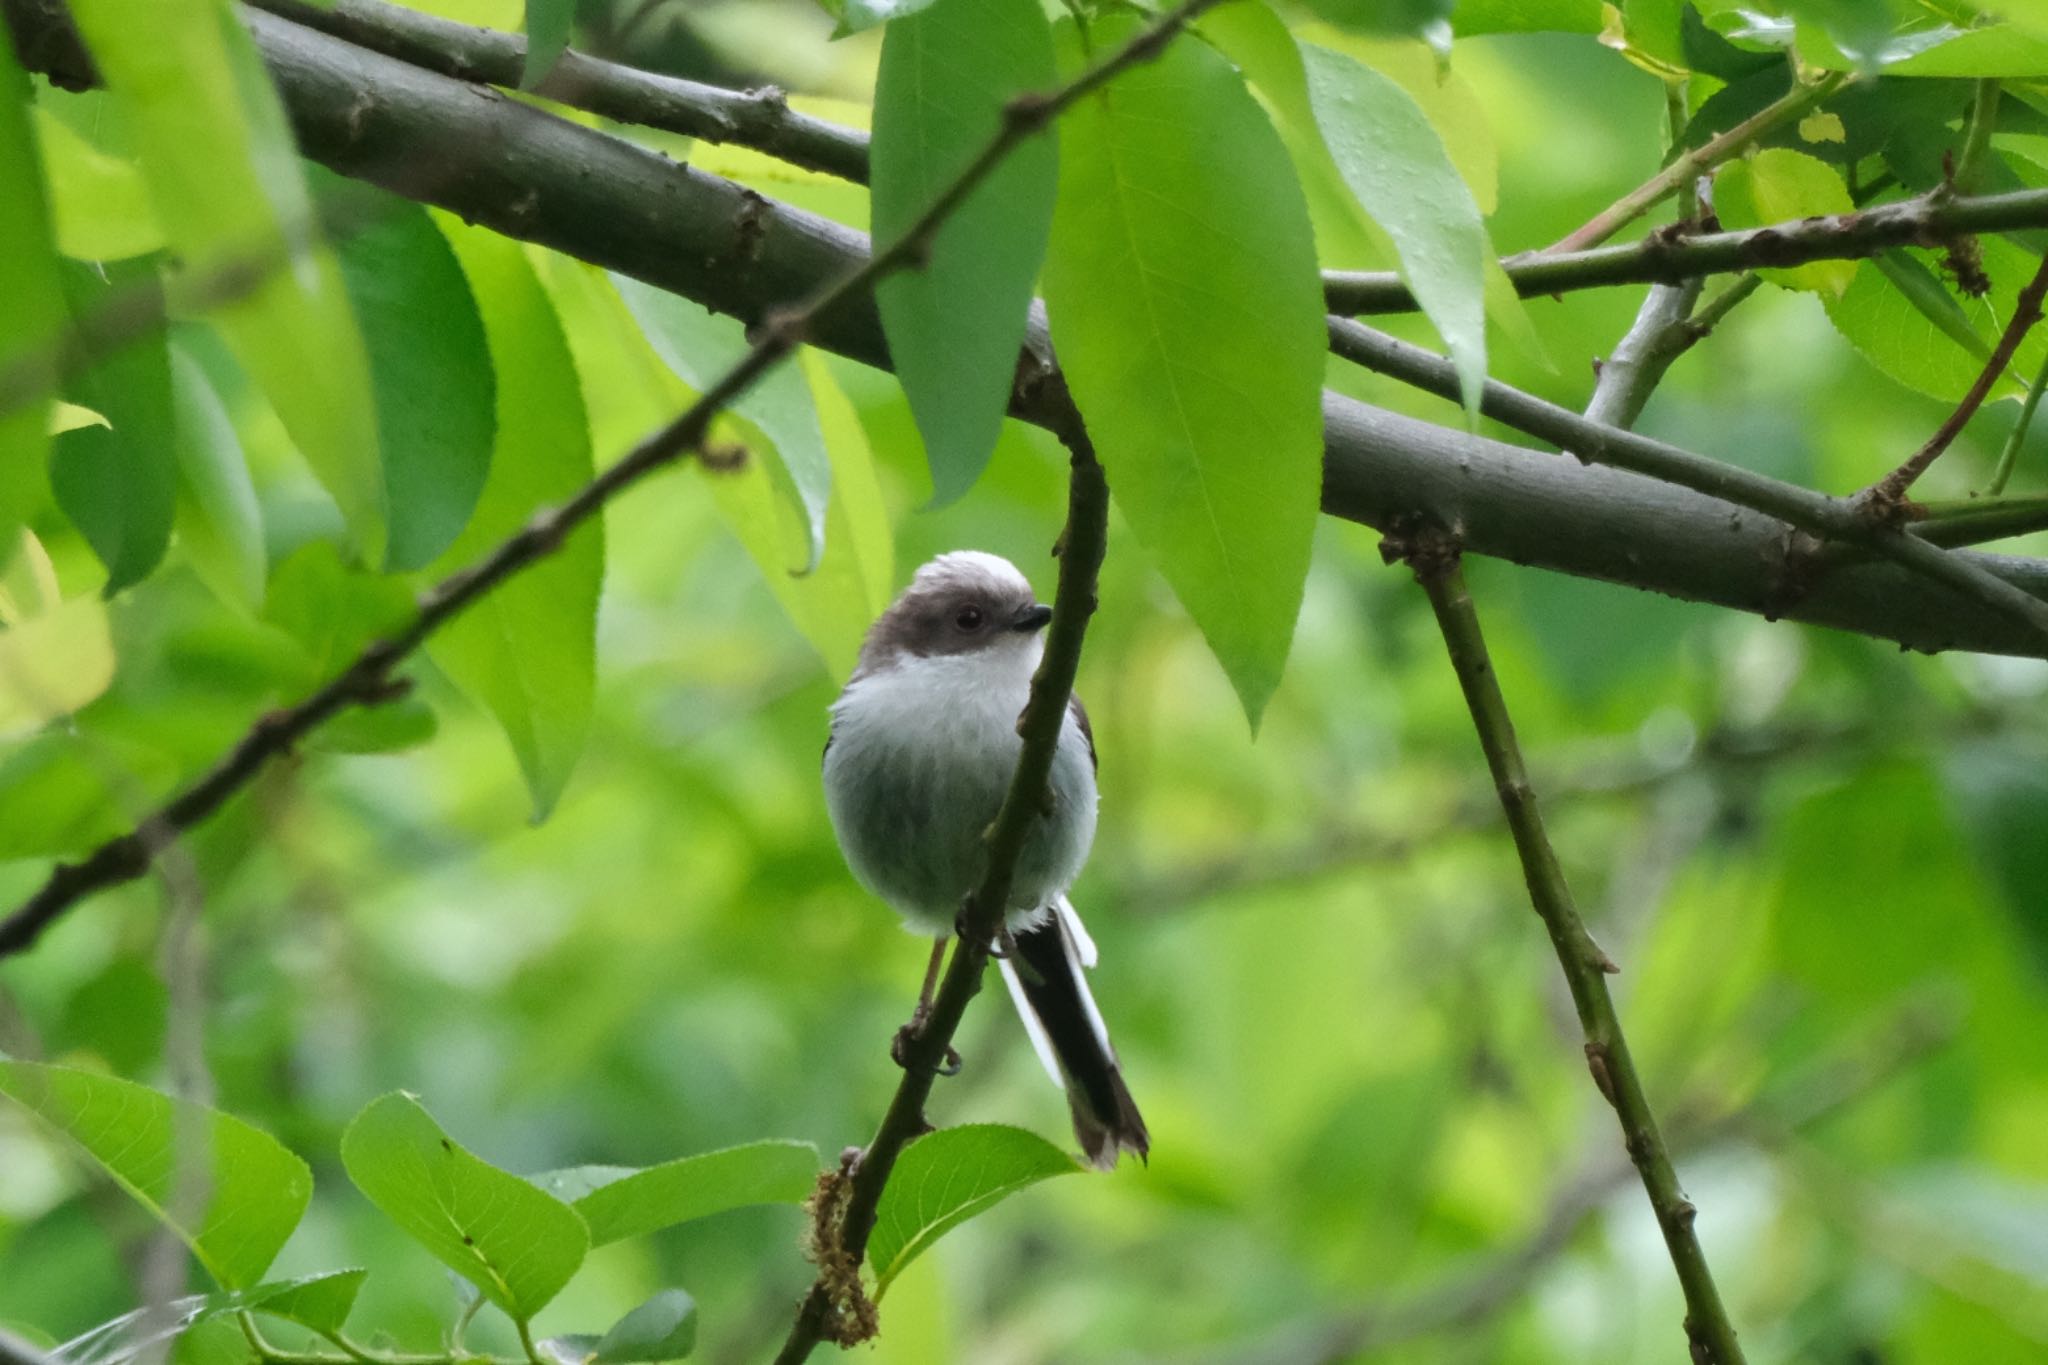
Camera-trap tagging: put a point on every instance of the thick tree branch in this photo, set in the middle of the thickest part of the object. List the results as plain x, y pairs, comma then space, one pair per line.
761, 119
1830, 519
1434, 557
518, 170
1925, 220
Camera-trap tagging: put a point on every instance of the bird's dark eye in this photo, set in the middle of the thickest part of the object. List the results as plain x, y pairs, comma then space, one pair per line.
968, 618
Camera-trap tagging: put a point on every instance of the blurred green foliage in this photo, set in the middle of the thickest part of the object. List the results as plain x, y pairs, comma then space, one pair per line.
1822, 865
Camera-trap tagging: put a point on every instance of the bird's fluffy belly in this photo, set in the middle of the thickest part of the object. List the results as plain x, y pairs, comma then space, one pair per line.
920, 759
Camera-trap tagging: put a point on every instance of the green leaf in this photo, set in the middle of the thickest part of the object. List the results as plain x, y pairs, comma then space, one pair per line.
1779, 185
218, 521
55, 656
227, 185
699, 346
321, 1302
431, 369
618, 1202
663, 1328
33, 314
255, 1189
548, 27
946, 1178
1396, 165
99, 202
518, 1245
1187, 310
955, 324
331, 608
528, 651
1473, 17
1428, 20
119, 482
2000, 51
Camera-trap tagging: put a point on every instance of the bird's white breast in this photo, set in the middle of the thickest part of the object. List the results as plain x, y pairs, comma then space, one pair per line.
920, 758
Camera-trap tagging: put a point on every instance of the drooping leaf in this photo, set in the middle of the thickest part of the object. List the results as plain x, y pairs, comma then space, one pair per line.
118, 481
1396, 165
516, 1244
663, 1328
618, 1202
1187, 310
528, 651
1779, 185
548, 27
955, 322
699, 346
946, 1178
255, 1190
33, 314
218, 521
321, 1302
228, 189
431, 370
55, 655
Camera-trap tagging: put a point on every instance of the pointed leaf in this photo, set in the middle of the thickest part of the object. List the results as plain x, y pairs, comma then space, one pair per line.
663, 1328
226, 181
118, 481
948, 1177
33, 315
431, 369
255, 1189
699, 346
219, 524
955, 323
618, 1202
320, 1301
528, 651
1396, 165
518, 1245
1187, 310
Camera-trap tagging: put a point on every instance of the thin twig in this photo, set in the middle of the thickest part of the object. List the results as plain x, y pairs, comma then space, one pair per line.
1816, 513
368, 678
1435, 561
1659, 259
1883, 497
2009, 454
1689, 164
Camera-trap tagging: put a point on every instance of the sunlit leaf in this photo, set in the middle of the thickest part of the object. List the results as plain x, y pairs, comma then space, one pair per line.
33, 314
1779, 185
254, 1190
1187, 310
955, 322
946, 1178
55, 656
228, 189
98, 201
618, 1202
516, 1244
528, 651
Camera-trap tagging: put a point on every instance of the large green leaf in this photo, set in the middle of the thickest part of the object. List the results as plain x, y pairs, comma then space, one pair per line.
946, 1178
118, 481
699, 346
99, 202
255, 1190
1779, 185
431, 369
228, 189
618, 1202
33, 313
515, 1243
955, 323
1396, 165
1187, 311
528, 651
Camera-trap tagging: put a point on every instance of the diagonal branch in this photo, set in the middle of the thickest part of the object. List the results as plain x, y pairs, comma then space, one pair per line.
368, 678
1434, 558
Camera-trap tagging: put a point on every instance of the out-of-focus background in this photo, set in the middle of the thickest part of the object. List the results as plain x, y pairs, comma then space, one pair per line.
1822, 865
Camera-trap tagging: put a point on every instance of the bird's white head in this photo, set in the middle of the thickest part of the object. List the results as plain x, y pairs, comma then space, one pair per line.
966, 602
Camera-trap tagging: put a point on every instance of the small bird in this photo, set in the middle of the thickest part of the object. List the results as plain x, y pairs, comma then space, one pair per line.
921, 752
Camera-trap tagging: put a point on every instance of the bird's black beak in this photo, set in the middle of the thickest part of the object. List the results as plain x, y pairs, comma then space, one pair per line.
1032, 617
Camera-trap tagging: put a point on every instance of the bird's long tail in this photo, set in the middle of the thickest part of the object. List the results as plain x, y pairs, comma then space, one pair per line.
1051, 992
